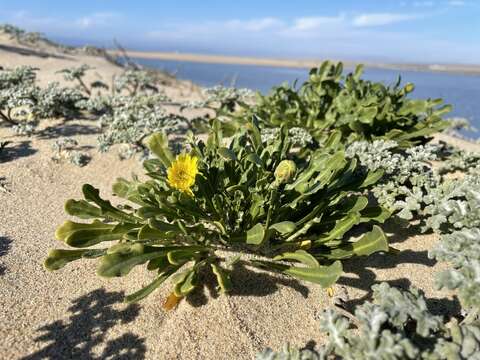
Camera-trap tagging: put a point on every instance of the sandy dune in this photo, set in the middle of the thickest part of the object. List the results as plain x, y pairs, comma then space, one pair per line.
299, 63
73, 314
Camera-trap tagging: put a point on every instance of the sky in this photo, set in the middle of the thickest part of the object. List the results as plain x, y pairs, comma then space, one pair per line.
415, 31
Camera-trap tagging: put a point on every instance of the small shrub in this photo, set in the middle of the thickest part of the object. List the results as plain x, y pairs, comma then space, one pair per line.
359, 109
66, 149
394, 325
76, 74
248, 199
409, 178
23, 103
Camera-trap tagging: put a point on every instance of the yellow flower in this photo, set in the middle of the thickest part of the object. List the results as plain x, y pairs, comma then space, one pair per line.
181, 174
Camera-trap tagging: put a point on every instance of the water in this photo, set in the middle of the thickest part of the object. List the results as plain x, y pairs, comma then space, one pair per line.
462, 91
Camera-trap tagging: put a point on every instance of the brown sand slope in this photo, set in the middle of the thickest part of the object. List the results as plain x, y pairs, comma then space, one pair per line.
74, 314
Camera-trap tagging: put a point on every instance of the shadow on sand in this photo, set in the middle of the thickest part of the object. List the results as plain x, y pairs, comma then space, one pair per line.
16, 150
246, 282
30, 52
5, 244
67, 129
92, 316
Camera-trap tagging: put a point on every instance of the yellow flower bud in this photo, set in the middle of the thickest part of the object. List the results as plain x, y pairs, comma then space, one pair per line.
285, 172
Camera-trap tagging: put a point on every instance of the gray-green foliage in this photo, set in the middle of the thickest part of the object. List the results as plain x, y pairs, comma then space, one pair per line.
221, 97
408, 176
461, 249
67, 149
23, 103
249, 198
289, 353
131, 119
134, 81
454, 204
394, 325
299, 136
460, 160
76, 74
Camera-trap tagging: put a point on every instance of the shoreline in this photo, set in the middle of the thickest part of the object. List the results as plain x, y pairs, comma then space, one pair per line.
296, 63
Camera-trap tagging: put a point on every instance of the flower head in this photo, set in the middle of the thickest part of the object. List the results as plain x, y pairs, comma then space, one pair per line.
285, 172
182, 172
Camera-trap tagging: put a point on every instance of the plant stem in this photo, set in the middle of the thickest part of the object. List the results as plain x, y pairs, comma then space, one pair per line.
7, 119
85, 87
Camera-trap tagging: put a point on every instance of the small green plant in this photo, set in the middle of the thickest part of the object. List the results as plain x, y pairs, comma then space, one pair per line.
135, 81
67, 149
359, 109
247, 202
77, 74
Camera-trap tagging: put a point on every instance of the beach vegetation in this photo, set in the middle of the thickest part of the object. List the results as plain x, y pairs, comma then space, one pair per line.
215, 205
360, 110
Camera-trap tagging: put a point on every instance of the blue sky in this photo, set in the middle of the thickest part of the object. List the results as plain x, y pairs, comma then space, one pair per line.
439, 31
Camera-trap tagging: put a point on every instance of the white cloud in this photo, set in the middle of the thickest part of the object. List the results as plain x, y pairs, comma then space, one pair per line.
254, 24
380, 19
97, 19
316, 22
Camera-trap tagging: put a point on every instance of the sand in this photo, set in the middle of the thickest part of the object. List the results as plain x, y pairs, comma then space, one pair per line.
72, 313
299, 63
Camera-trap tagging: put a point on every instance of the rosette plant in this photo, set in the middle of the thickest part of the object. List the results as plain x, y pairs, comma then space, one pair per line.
360, 109
248, 201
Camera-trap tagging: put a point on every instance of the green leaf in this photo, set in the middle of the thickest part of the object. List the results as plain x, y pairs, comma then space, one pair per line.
158, 144
185, 282
299, 255
148, 233
375, 213
372, 178
322, 275
160, 264
254, 159
127, 190
223, 278
108, 210
58, 258
255, 235
358, 72
147, 290
177, 257
120, 264
227, 154
82, 209
372, 242
83, 235
284, 227
341, 227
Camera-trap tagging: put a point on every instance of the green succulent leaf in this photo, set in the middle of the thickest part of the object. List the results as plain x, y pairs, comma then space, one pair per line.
299, 255
255, 235
158, 144
324, 276
147, 290
58, 258
121, 263
284, 227
223, 278
370, 243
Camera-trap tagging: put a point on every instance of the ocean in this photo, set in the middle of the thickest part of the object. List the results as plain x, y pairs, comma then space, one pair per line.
461, 91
